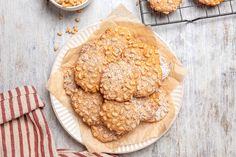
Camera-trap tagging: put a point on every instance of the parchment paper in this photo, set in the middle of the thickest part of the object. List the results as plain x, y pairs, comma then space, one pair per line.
121, 16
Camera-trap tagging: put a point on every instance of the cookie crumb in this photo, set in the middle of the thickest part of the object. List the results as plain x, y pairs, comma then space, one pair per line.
60, 16
59, 33
56, 47
77, 19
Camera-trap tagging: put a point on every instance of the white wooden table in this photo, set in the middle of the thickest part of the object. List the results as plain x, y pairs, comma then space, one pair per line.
206, 125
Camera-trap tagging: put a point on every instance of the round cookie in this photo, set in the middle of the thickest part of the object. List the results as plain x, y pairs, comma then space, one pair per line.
146, 107
210, 2
164, 6
119, 81
103, 134
88, 70
113, 42
146, 58
87, 105
69, 83
120, 117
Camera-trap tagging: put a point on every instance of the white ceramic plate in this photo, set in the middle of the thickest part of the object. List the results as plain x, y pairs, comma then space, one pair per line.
70, 122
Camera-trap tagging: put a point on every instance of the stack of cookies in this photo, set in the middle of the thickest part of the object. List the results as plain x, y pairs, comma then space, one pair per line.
115, 84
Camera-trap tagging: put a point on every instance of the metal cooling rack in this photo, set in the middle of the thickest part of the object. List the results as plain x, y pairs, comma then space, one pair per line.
188, 11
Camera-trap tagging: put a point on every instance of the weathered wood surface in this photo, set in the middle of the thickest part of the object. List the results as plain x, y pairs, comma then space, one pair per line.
206, 125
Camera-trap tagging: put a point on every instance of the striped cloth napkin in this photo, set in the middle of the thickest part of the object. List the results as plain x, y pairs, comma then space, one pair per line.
24, 131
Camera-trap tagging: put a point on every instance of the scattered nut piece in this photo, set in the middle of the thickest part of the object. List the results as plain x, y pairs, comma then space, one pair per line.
59, 33
77, 19
56, 47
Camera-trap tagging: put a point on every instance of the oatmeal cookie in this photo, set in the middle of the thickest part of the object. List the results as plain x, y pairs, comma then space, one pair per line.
146, 59
164, 6
103, 134
210, 2
113, 42
146, 107
87, 105
120, 117
119, 81
88, 70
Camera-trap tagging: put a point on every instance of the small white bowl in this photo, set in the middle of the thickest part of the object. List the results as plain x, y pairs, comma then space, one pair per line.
74, 8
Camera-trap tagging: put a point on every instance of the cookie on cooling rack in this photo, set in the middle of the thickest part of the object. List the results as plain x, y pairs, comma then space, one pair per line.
103, 134
119, 81
210, 2
164, 6
146, 60
120, 117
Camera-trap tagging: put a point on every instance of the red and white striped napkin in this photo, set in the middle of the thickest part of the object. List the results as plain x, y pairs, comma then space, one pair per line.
24, 131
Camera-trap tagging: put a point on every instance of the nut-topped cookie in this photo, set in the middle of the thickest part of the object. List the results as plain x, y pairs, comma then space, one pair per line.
114, 41
119, 81
87, 105
164, 6
210, 2
88, 69
103, 134
120, 117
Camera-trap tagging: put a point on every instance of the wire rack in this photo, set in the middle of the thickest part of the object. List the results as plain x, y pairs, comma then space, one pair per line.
189, 11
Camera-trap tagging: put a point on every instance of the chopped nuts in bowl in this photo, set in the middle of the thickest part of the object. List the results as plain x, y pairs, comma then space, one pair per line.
71, 5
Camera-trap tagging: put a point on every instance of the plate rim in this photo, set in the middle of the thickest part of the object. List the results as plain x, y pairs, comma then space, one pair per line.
151, 141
